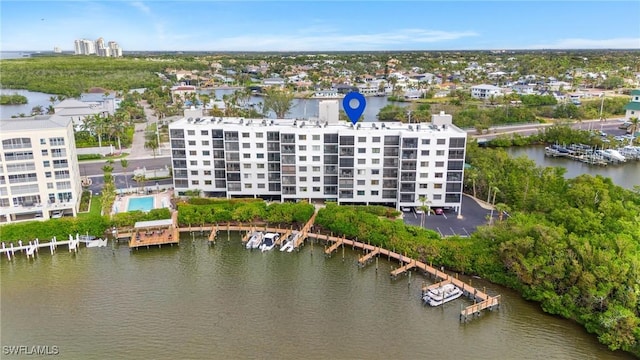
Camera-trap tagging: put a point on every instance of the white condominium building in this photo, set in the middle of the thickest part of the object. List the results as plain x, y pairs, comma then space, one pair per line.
39, 176
393, 164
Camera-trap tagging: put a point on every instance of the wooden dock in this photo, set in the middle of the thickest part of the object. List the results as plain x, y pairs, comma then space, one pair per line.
304, 232
31, 248
333, 247
155, 233
368, 257
484, 300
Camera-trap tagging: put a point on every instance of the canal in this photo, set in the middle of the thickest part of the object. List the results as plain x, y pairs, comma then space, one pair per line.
197, 301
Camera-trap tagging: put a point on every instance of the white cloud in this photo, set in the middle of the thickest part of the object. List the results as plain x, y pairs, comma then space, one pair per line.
141, 6
577, 43
307, 40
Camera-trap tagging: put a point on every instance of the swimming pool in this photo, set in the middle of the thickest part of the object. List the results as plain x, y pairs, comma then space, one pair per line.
140, 203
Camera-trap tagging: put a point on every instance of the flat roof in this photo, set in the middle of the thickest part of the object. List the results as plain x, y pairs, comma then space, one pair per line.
34, 123
153, 223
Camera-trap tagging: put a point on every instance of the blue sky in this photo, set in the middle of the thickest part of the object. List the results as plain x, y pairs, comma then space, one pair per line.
321, 25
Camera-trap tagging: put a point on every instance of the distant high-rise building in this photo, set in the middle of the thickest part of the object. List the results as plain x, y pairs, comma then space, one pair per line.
88, 47
57, 50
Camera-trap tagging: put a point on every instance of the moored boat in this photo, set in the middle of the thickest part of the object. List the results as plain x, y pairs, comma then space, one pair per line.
442, 294
255, 240
269, 241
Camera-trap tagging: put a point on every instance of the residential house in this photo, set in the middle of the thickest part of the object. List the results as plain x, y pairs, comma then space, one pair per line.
632, 109
485, 91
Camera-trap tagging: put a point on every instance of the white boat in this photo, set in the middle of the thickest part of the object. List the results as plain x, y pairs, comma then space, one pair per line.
615, 155
443, 294
255, 240
269, 241
97, 243
288, 245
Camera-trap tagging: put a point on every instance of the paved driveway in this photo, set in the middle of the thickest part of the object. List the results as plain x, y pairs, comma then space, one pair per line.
473, 215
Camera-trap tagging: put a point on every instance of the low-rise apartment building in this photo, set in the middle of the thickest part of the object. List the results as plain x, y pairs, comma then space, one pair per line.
39, 174
387, 163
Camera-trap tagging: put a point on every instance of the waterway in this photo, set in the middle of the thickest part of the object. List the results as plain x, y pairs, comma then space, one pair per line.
197, 302
626, 175
34, 98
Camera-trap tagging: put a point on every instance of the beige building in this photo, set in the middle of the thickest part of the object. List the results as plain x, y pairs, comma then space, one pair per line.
39, 174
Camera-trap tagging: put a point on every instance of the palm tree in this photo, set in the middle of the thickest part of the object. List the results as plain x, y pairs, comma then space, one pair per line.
96, 124
140, 179
425, 209
152, 143
125, 164
37, 110
502, 208
633, 128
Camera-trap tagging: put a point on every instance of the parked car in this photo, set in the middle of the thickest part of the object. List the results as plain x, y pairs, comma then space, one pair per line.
57, 215
419, 212
438, 211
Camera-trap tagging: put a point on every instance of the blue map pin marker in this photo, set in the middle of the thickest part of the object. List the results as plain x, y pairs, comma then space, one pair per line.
354, 113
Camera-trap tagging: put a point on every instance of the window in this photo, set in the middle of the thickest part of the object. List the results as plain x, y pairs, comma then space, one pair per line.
375, 139
193, 153
361, 182
207, 182
362, 139
260, 176
259, 135
375, 161
259, 166
315, 148
441, 141
205, 142
316, 158
191, 132
49, 185
375, 171
437, 197
315, 137
424, 152
246, 156
361, 192
424, 163
438, 175
192, 143
302, 147
45, 152
193, 163
207, 172
424, 186
43, 141
260, 156
302, 137
247, 186
248, 166
260, 186
47, 174
302, 168
362, 150
246, 145
439, 152
439, 163
195, 182
374, 192
206, 153
316, 179
362, 172
245, 135
303, 188
303, 178
206, 163
247, 176
437, 186
375, 150
375, 182
57, 141
194, 172
46, 163
424, 175
316, 189
204, 132
426, 141
302, 158
362, 161
260, 145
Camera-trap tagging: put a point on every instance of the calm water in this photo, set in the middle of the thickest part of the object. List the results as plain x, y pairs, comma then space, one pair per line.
196, 301
34, 98
626, 175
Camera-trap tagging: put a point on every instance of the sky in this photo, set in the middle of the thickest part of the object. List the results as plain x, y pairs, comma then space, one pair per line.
163, 25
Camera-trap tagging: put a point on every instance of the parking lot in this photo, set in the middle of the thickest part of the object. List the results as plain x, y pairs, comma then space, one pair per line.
448, 224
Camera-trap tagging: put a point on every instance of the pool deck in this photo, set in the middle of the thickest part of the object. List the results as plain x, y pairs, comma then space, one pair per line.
160, 200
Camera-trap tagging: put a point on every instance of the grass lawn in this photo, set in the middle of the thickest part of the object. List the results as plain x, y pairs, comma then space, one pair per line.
95, 208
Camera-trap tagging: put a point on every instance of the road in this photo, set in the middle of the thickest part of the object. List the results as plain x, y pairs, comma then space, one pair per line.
95, 168
608, 126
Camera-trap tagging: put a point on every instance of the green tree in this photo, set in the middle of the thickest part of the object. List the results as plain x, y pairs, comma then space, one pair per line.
124, 163
278, 101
